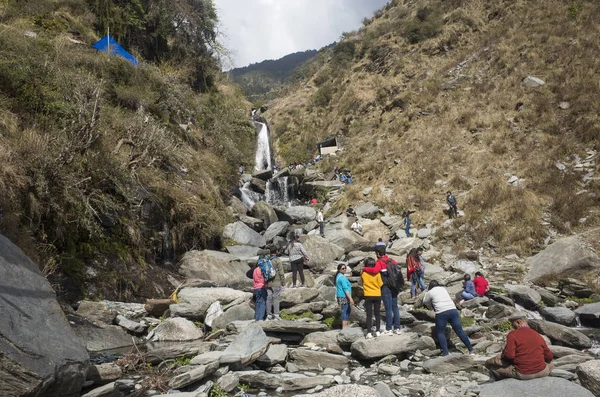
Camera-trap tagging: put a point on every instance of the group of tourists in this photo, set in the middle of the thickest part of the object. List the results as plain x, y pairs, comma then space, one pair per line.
342, 175
472, 289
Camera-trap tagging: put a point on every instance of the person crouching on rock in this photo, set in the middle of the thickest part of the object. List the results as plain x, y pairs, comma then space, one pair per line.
525, 356
343, 293
372, 289
260, 290
445, 312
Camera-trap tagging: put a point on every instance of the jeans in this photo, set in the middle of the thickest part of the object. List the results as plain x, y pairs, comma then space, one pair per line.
452, 317
407, 231
345, 309
414, 279
322, 228
392, 314
297, 267
260, 307
373, 304
467, 296
452, 211
273, 300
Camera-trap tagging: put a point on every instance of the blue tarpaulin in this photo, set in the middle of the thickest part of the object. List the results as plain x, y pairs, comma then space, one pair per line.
107, 43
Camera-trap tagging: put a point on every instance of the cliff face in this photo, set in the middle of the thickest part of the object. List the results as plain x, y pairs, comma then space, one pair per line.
109, 171
491, 100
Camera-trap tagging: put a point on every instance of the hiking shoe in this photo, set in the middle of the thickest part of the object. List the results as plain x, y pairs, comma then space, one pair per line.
276, 317
472, 353
398, 331
369, 335
377, 333
269, 317
387, 332
302, 286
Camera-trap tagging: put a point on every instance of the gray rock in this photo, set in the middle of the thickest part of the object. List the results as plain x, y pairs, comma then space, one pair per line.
306, 382
389, 370
255, 224
131, 326
237, 206
315, 360
338, 232
158, 352
219, 267
524, 295
96, 339
258, 185
366, 191
368, 210
367, 349
532, 82
572, 359
313, 307
589, 376
566, 256
560, 315
423, 233
276, 354
320, 338
103, 373
561, 373
404, 245
464, 266
208, 358
263, 211
260, 379
345, 391
541, 387
108, 390
320, 251
175, 329
242, 234
264, 175
499, 311
195, 375
276, 229
448, 364
241, 312
96, 312
301, 214
561, 351
193, 302
228, 382
560, 333
349, 335
249, 345
242, 252
293, 296
589, 313
548, 297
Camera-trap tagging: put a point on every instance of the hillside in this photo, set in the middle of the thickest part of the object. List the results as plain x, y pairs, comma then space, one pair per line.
102, 182
263, 80
431, 96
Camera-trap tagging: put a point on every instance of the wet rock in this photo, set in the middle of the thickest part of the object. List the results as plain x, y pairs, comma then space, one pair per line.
524, 295
218, 267
249, 345
367, 349
242, 234
560, 315
96, 312
276, 229
175, 329
314, 360
589, 376
561, 334
276, 354
264, 175
448, 364
541, 387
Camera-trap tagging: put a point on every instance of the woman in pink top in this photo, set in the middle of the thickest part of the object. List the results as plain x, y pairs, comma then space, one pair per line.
260, 294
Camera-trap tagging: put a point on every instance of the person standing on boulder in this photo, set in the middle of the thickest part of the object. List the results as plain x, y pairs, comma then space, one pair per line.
321, 221
526, 354
260, 291
275, 286
372, 290
445, 312
343, 294
407, 223
452, 205
298, 256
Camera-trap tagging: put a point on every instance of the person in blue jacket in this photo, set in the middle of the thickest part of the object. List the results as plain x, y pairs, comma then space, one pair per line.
343, 294
469, 290
407, 223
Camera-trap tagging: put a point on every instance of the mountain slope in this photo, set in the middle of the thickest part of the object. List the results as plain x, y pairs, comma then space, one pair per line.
101, 181
430, 96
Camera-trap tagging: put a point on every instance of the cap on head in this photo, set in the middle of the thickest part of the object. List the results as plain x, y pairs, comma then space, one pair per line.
517, 316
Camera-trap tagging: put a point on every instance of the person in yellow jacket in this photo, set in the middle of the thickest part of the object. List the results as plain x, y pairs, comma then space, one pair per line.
372, 290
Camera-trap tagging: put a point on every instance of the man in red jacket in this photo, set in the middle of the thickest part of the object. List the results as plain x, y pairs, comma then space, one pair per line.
526, 354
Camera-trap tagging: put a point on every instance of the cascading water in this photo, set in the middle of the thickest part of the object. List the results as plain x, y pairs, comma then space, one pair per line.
249, 197
263, 148
278, 191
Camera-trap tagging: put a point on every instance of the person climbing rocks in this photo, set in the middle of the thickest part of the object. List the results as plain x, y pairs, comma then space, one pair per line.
260, 290
468, 292
390, 288
276, 285
407, 223
321, 221
439, 300
526, 354
357, 227
343, 294
350, 211
414, 272
372, 291
298, 257
482, 286
380, 243
452, 205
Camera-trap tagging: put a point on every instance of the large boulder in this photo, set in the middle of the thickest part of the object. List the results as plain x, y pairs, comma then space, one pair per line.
404, 245
448, 364
218, 267
278, 326
567, 256
175, 329
97, 339
242, 252
541, 387
373, 230
369, 349
338, 232
41, 356
194, 302
561, 334
97, 312
262, 210
560, 315
301, 214
242, 234
313, 360
293, 296
242, 312
524, 295
276, 354
276, 229
589, 376
248, 346
320, 251
589, 314
368, 210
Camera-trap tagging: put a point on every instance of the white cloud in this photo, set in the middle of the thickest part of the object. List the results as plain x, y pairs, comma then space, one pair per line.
256, 30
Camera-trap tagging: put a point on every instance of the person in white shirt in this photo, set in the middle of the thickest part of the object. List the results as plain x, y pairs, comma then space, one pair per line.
357, 227
445, 312
321, 223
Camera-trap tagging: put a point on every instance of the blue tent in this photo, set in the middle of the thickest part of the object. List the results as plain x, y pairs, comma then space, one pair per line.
107, 43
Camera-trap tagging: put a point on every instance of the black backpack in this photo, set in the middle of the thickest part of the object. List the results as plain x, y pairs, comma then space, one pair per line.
395, 279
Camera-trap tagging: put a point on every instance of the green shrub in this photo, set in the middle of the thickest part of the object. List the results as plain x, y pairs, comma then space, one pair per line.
504, 326
323, 96
467, 321
286, 316
333, 322
427, 24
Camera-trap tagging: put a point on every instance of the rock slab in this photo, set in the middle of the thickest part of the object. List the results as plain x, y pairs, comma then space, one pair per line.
542, 387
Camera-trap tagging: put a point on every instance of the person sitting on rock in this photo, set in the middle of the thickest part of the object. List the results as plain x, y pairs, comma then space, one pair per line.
350, 211
482, 286
437, 297
468, 290
526, 354
357, 227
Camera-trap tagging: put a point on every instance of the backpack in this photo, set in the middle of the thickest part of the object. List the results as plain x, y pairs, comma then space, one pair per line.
267, 269
395, 279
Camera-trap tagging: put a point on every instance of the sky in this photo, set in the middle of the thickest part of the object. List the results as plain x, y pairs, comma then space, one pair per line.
255, 30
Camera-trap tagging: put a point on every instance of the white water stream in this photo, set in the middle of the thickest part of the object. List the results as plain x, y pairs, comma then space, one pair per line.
263, 148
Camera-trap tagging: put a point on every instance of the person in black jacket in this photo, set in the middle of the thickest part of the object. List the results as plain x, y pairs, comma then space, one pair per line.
452, 209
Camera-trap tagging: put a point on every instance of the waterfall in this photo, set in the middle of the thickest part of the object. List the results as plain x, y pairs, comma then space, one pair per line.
263, 148
166, 248
249, 197
278, 192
